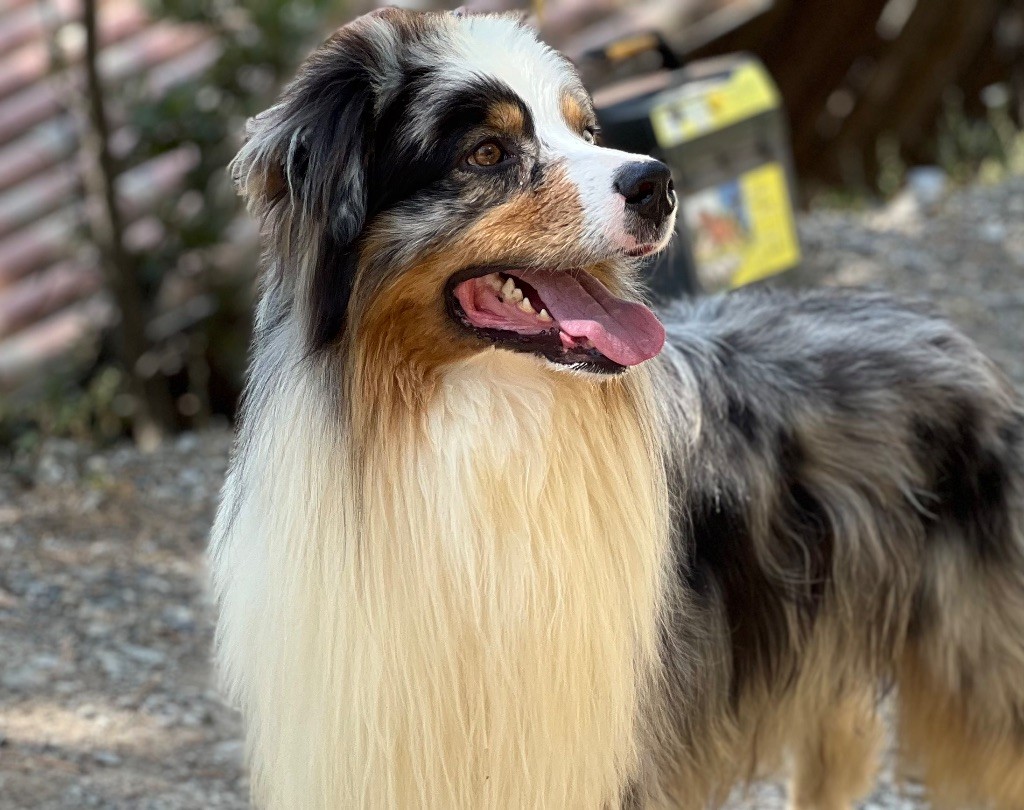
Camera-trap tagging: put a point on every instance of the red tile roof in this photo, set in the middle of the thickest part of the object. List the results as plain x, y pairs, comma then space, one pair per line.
51, 292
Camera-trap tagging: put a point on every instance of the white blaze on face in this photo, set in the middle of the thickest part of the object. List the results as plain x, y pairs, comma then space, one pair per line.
593, 170
498, 48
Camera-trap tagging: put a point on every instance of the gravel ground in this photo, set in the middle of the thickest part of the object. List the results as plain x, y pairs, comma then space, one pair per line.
105, 692
966, 255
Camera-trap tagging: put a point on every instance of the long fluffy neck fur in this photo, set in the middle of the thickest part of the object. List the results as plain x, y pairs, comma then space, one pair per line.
471, 619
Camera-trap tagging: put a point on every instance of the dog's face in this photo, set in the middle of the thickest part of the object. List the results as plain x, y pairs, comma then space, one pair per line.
431, 187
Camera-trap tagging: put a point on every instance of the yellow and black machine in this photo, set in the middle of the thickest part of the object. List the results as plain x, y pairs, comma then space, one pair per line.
719, 124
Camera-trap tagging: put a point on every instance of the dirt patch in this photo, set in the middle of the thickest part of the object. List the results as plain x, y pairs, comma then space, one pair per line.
105, 692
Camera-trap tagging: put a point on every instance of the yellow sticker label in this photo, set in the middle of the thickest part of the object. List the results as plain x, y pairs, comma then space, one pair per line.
742, 230
695, 109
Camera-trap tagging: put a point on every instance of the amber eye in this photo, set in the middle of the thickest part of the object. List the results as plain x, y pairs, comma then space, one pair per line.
489, 153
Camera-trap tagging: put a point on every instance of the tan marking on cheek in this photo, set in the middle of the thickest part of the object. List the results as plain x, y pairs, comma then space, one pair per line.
405, 337
506, 117
611, 277
539, 226
575, 114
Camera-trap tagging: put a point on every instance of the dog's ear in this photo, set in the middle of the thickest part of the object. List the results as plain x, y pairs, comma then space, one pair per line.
303, 170
313, 136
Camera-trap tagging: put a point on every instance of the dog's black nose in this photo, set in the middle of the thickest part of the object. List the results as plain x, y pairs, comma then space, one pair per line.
648, 189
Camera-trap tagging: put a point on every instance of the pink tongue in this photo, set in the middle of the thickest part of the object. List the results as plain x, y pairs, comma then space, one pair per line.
624, 332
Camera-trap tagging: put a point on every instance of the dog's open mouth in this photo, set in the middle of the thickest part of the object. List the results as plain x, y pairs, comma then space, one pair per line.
569, 317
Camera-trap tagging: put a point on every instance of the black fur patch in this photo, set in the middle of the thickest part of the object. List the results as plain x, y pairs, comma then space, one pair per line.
323, 152
772, 586
803, 530
742, 417
401, 168
754, 606
968, 477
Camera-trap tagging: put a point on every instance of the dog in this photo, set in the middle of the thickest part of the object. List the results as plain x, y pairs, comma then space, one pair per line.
495, 535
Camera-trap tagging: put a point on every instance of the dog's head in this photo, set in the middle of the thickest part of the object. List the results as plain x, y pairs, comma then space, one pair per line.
430, 187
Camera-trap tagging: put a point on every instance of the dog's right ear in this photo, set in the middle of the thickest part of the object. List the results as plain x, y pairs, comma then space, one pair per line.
303, 170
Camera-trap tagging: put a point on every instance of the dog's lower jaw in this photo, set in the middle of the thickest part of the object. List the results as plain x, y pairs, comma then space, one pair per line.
470, 619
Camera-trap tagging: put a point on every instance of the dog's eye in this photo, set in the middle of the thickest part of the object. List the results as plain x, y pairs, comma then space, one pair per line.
489, 153
590, 134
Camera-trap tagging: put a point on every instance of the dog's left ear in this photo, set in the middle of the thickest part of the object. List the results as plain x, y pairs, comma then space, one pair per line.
302, 171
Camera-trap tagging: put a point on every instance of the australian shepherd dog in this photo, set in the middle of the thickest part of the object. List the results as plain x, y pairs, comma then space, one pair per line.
495, 537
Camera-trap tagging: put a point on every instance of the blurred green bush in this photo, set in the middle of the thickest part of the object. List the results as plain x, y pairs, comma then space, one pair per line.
196, 257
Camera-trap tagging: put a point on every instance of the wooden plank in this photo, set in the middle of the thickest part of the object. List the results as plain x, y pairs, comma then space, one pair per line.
36, 246
752, 36
846, 33
46, 292
37, 151
42, 195
872, 112
952, 49
71, 329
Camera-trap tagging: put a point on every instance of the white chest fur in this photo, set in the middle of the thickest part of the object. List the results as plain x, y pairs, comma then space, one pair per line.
468, 621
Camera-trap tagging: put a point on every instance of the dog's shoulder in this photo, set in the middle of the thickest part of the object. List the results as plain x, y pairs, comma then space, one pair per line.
830, 348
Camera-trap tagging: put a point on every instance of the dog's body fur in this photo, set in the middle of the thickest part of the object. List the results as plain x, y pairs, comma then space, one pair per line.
451, 575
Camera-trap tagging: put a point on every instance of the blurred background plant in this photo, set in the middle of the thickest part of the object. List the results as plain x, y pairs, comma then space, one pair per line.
139, 321
197, 278
127, 268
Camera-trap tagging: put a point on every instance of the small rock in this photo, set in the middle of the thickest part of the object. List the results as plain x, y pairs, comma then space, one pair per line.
25, 678
111, 663
144, 655
179, 617
187, 443
108, 758
96, 464
929, 184
229, 752
68, 687
57, 462
98, 629
91, 500
992, 231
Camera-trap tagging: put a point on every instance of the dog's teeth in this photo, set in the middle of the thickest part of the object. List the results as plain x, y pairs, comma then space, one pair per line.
493, 281
526, 306
517, 294
543, 315
506, 290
